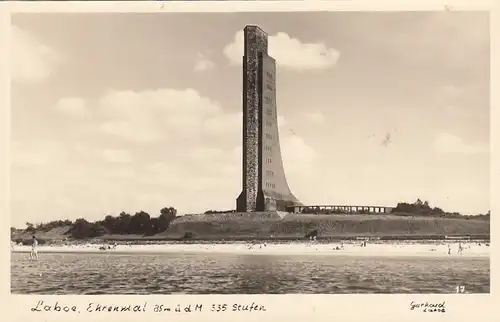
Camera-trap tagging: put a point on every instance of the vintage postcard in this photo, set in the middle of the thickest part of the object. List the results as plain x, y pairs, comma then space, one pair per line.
328, 162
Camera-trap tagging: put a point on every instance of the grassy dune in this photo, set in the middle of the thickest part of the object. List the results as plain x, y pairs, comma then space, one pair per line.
281, 225
58, 233
292, 225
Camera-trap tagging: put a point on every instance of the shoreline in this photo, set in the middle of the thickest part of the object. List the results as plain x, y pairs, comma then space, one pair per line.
300, 238
433, 250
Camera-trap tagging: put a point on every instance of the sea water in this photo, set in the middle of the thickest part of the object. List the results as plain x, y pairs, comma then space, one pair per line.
108, 273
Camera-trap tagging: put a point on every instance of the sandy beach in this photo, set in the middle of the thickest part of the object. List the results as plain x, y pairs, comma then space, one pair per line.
470, 249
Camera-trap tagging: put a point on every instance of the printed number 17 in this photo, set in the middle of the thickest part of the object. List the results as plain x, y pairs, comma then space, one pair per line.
460, 289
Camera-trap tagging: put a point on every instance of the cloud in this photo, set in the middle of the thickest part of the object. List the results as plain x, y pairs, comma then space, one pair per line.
73, 106
129, 130
459, 37
451, 98
297, 154
468, 100
223, 124
203, 64
315, 117
32, 61
206, 153
456, 40
23, 158
450, 91
152, 115
117, 156
450, 143
37, 154
290, 53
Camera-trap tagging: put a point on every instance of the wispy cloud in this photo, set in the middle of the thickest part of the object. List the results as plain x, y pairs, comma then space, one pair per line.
315, 117
117, 156
32, 61
450, 143
73, 106
203, 63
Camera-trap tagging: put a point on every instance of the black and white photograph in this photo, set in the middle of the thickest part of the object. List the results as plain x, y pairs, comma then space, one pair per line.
278, 152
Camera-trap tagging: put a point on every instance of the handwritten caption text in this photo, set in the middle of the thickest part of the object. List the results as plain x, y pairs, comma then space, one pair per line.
93, 307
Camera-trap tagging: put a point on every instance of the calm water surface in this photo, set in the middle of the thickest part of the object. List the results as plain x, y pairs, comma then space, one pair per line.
244, 274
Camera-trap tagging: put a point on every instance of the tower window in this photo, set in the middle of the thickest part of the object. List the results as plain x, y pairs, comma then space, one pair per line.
270, 185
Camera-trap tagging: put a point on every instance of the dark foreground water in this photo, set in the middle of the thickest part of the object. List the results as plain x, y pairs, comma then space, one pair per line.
244, 274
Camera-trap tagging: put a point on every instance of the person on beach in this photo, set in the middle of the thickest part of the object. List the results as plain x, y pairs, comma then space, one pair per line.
460, 249
34, 251
449, 249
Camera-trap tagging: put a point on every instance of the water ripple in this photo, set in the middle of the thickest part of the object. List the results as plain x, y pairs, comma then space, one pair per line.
236, 274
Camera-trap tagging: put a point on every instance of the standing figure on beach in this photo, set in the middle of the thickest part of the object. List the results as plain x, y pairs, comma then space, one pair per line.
34, 251
449, 249
460, 249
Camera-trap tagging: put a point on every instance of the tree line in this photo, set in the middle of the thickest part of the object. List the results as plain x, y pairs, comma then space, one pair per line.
423, 208
141, 223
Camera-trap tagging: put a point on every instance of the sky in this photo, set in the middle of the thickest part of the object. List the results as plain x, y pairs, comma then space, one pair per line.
129, 112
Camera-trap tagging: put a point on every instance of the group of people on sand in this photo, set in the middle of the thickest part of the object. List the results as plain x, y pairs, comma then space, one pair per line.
251, 246
33, 255
341, 247
460, 249
108, 247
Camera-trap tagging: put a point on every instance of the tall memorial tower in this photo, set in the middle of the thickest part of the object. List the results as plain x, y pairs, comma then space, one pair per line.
264, 182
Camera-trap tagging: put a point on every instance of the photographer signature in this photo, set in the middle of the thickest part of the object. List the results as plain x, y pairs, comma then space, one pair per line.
428, 306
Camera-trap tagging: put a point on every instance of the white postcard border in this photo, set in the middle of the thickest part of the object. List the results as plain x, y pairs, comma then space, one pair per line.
300, 307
